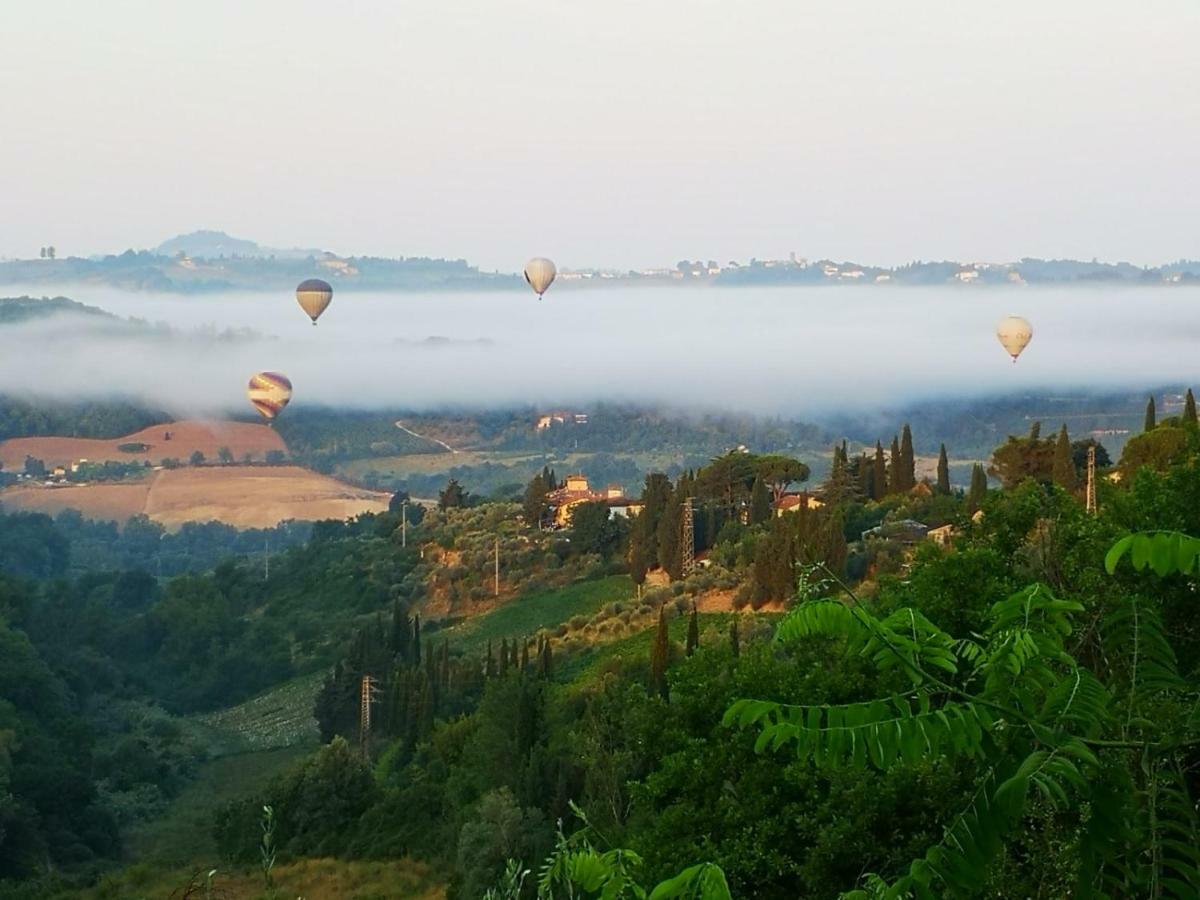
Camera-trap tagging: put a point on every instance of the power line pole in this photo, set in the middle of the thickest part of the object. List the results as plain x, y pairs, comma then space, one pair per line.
497, 561
1091, 479
688, 548
367, 694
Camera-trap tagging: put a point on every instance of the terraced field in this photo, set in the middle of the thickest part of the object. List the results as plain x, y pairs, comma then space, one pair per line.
524, 616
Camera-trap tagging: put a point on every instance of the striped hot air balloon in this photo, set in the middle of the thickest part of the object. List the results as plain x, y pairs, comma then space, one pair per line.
540, 273
269, 392
314, 295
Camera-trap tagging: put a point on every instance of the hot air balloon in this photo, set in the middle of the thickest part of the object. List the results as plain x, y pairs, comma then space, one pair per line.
1015, 334
269, 392
314, 296
540, 272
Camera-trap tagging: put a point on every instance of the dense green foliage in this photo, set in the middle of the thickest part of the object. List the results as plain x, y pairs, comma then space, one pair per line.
998, 717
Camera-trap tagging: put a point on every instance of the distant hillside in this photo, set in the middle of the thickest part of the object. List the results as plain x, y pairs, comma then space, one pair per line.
205, 244
25, 309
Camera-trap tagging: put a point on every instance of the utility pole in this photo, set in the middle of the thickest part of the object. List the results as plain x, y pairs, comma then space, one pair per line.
688, 548
1091, 479
497, 561
366, 697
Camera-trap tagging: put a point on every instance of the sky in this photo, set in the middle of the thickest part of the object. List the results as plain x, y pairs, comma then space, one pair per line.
618, 134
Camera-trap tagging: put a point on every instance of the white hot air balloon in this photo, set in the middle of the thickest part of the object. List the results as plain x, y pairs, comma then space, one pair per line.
539, 273
1014, 334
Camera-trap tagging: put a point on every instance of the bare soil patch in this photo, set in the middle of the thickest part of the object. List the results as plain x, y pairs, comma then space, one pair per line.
243, 496
186, 437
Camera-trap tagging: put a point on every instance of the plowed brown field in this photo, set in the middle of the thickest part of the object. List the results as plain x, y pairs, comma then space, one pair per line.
186, 437
244, 496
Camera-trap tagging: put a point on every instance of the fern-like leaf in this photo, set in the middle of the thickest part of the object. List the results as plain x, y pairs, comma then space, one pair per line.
880, 733
1166, 552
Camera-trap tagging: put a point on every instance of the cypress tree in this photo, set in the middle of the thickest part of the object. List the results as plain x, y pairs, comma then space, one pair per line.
894, 480
401, 632
866, 476
525, 656
546, 660
1189, 408
416, 641
503, 664
735, 643
943, 472
879, 474
908, 462
760, 502
445, 668
693, 632
670, 537
1151, 417
978, 488
1035, 431
659, 652
1064, 461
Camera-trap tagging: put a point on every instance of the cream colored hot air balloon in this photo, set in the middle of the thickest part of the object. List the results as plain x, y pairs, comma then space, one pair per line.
269, 392
540, 272
1015, 334
314, 296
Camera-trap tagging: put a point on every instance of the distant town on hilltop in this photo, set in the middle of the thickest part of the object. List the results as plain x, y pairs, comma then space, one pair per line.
209, 261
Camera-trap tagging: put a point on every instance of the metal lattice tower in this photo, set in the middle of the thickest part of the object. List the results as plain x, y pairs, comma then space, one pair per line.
687, 548
1091, 479
367, 695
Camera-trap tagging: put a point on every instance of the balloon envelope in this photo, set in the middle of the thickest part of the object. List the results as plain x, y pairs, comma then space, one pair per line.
1014, 334
540, 273
269, 392
314, 296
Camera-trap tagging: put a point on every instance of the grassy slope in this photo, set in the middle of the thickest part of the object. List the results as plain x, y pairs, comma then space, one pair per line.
525, 615
312, 879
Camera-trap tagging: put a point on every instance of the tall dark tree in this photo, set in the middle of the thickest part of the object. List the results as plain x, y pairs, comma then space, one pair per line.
670, 537
760, 502
908, 461
693, 632
534, 506
416, 641
735, 643
879, 485
660, 652
1064, 461
841, 486
943, 472
401, 635
1035, 431
452, 496
1151, 417
978, 488
895, 479
655, 497
1189, 408
638, 563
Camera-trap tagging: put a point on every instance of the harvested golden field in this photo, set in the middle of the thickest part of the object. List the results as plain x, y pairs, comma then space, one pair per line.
186, 437
244, 496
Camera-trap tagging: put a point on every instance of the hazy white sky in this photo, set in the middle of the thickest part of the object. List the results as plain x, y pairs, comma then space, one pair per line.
618, 133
